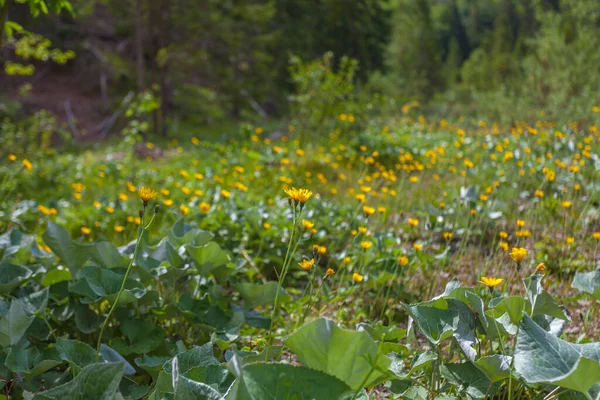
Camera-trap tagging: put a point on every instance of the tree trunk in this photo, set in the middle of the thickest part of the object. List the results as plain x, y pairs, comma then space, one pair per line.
139, 46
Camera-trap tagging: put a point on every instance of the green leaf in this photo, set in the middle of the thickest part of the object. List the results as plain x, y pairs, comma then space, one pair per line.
541, 301
99, 284
588, 282
197, 357
76, 352
470, 379
74, 255
14, 325
56, 276
32, 361
86, 319
95, 381
12, 276
259, 295
283, 381
353, 357
208, 257
15, 244
106, 255
187, 389
143, 337
541, 357
508, 312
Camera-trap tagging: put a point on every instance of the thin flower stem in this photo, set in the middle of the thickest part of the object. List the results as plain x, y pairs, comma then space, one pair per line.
116, 302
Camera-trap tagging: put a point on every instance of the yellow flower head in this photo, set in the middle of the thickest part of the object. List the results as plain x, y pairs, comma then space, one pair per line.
413, 222
307, 264
403, 260
520, 223
347, 260
307, 224
12, 157
329, 272
319, 249
504, 246
85, 231
540, 268
299, 196
596, 235
27, 165
368, 210
119, 228
491, 282
204, 207
357, 278
146, 194
518, 254
366, 245
417, 246
566, 204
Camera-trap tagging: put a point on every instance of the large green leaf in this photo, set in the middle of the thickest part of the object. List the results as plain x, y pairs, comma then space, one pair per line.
76, 352
283, 381
86, 319
351, 356
540, 299
56, 276
470, 379
32, 361
15, 244
259, 295
541, 357
12, 276
98, 284
143, 337
208, 257
106, 255
74, 255
95, 381
14, 325
187, 389
588, 282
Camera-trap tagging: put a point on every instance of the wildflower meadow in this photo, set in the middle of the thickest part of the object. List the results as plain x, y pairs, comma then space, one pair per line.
357, 245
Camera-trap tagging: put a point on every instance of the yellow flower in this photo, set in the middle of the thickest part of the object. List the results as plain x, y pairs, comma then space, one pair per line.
362, 229
366, 245
417, 246
403, 260
566, 204
123, 197
539, 193
596, 235
491, 282
319, 249
504, 246
447, 235
520, 223
97, 204
518, 254
347, 260
12, 158
570, 240
368, 210
146, 194
307, 224
225, 193
307, 264
110, 209
357, 278
413, 222
184, 209
168, 202
27, 165
119, 228
85, 231
329, 272
503, 234
204, 207
540, 268
298, 195
267, 225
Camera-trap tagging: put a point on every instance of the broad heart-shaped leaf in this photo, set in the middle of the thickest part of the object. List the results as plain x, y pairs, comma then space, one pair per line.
106, 255
15, 244
76, 352
143, 337
351, 356
508, 312
471, 380
184, 234
541, 357
98, 284
284, 381
442, 318
541, 301
259, 295
55, 277
95, 381
207, 257
187, 389
588, 282
11, 276
199, 356
74, 255
86, 319
14, 325
32, 361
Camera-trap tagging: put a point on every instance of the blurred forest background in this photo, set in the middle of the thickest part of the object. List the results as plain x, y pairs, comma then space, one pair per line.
83, 64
